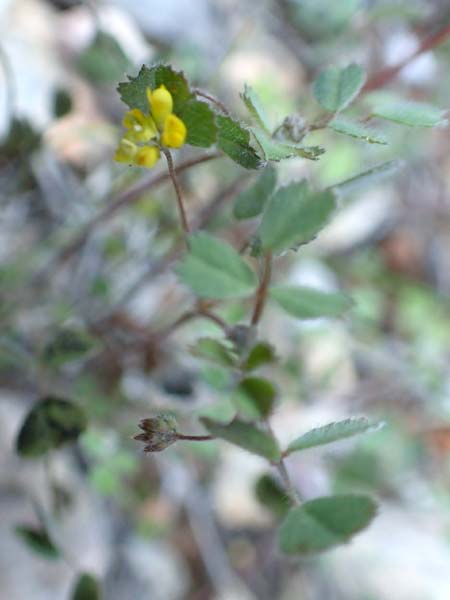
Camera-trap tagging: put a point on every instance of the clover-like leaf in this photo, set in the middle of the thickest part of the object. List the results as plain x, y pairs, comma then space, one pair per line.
323, 523
251, 202
214, 351
308, 303
332, 432
253, 104
234, 140
356, 130
275, 150
294, 216
261, 354
271, 495
336, 88
255, 397
213, 269
414, 114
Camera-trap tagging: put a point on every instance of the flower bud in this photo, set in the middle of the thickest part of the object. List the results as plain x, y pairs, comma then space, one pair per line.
159, 433
147, 156
161, 104
174, 132
141, 128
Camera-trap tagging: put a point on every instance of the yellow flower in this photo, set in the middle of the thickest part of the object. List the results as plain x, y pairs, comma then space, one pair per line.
174, 132
147, 156
160, 125
161, 104
126, 152
141, 128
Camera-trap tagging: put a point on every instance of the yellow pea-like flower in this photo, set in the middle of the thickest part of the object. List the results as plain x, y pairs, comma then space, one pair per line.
174, 132
141, 128
161, 104
147, 156
126, 152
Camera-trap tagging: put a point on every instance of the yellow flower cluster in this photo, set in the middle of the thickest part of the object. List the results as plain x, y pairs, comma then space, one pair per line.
158, 128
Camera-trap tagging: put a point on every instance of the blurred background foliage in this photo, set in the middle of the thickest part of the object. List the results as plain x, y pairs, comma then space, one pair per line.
83, 300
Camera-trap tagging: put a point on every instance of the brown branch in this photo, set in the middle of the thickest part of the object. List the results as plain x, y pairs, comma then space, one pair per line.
261, 292
384, 76
178, 193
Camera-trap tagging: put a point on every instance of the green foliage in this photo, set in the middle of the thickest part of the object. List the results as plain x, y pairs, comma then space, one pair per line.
51, 423
251, 202
261, 354
214, 351
253, 104
323, 523
38, 540
257, 397
234, 140
294, 216
322, 19
200, 123
67, 344
86, 588
271, 495
103, 61
62, 103
275, 150
213, 269
246, 436
356, 130
366, 178
307, 303
413, 114
332, 432
336, 88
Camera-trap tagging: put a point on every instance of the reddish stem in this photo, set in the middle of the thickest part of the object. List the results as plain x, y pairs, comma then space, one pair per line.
261, 292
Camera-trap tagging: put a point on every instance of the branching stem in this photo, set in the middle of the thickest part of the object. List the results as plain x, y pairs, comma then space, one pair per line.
178, 192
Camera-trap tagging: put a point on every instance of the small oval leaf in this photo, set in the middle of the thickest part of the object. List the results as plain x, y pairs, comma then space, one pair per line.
307, 303
335, 88
86, 588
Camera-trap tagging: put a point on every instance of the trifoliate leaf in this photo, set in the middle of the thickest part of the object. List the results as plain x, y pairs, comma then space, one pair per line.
308, 303
294, 216
335, 88
253, 104
332, 432
51, 423
251, 202
234, 140
414, 114
356, 130
323, 523
213, 269
246, 436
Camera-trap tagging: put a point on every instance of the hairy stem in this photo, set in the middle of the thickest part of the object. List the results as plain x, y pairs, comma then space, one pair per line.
215, 101
261, 292
178, 192
280, 466
195, 438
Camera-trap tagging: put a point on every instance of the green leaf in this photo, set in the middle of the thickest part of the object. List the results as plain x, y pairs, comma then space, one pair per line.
134, 92
275, 150
256, 397
308, 303
234, 140
323, 523
253, 104
366, 178
62, 103
51, 423
332, 432
245, 436
214, 351
414, 114
38, 540
294, 216
213, 269
86, 588
270, 493
68, 344
261, 354
251, 202
356, 130
200, 123
335, 88
222, 411
103, 61
322, 19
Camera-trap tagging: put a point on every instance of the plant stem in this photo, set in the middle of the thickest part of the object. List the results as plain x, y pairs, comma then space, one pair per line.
261, 292
195, 438
178, 192
291, 491
207, 96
